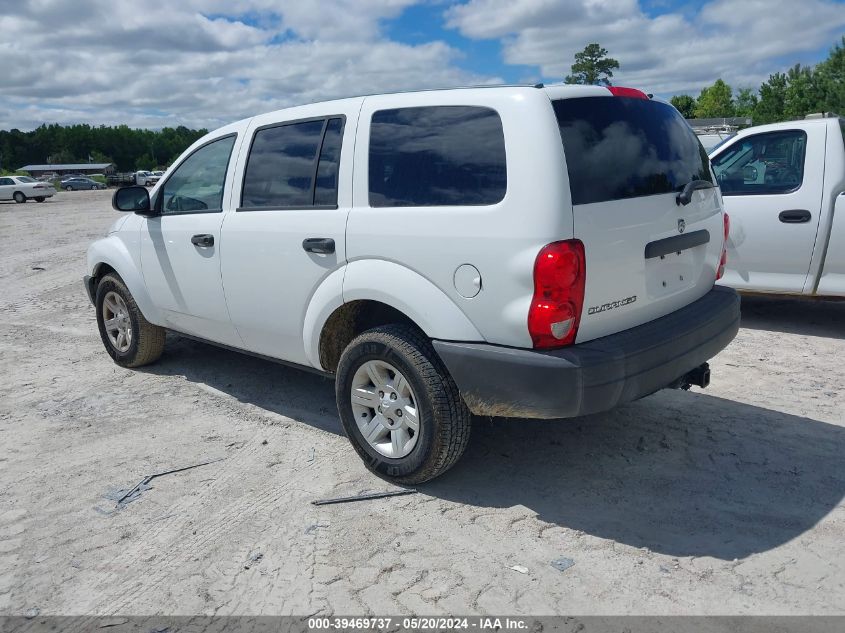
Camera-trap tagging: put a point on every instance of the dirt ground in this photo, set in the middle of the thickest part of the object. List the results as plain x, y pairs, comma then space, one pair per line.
722, 501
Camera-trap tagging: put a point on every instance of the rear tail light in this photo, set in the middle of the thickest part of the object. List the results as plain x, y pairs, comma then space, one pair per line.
559, 277
723, 260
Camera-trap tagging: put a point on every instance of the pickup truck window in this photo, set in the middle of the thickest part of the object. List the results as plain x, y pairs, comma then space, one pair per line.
197, 184
293, 165
619, 147
770, 163
437, 156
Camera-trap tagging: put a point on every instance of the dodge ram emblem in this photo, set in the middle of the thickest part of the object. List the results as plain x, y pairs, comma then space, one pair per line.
681, 225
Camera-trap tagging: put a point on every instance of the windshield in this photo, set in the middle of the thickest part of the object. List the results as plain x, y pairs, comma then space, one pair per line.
622, 147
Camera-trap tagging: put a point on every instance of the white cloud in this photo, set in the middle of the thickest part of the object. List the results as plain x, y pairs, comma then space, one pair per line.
208, 62
197, 63
742, 41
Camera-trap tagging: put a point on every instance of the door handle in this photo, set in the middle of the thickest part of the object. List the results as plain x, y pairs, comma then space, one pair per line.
321, 245
203, 240
794, 216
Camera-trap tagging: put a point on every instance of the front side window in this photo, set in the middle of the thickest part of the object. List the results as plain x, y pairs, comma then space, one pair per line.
771, 163
197, 184
437, 156
621, 147
294, 165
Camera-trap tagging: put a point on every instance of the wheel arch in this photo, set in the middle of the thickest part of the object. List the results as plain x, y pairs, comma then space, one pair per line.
111, 255
349, 301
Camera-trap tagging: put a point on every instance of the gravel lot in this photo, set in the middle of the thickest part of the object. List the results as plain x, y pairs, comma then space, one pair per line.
723, 501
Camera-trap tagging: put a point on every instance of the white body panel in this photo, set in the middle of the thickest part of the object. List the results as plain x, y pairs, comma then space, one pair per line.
832, 282
500, 240
183, 280
768, 255
268, 276
615, 234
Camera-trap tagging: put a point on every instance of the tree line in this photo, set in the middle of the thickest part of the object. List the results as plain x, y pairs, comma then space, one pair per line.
785, 96
129, 149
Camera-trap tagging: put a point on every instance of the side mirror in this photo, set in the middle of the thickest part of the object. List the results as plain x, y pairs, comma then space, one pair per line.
135, 198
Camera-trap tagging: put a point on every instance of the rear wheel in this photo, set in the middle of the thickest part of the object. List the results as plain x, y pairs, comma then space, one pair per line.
19, 197
40, 199
399, 406
128, 337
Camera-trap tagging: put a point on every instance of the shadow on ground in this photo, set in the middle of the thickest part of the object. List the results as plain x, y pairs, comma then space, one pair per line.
295, 393
794, 315
681, 473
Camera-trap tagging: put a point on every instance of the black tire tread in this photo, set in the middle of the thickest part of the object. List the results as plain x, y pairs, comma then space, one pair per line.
455, 419
150, 337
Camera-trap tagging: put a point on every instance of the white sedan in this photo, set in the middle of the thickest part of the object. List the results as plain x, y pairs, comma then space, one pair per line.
23, 188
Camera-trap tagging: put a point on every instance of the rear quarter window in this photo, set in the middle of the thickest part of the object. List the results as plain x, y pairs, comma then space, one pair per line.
622, 147
436, 156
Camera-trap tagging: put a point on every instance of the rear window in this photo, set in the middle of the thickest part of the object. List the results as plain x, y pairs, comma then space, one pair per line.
437, 156
621, 147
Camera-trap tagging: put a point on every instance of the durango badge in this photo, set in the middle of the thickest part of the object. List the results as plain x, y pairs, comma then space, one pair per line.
613, 304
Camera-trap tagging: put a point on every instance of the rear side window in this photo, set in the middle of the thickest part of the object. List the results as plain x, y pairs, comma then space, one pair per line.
622, 147
294, 165
771, 163
437, 156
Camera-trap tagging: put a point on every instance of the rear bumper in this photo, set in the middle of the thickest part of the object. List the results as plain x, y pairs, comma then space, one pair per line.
597, 375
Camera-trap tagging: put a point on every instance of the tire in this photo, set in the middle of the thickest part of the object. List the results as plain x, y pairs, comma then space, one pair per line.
40, 199
146, 341
68, 188
443, 420
19, 197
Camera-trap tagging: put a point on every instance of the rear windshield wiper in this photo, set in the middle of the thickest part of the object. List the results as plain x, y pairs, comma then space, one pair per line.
685, 197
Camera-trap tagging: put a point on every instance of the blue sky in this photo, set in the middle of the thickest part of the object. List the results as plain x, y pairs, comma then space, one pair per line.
207, 62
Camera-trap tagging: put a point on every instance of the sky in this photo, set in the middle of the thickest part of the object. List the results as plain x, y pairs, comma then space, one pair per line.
204, 63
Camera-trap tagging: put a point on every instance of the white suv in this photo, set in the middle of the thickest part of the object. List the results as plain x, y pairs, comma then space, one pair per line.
542, 252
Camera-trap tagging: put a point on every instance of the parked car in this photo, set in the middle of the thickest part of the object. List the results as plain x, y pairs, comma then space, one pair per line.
540, 252
23, 188
74, 184
784, 187
145, 178
72, 176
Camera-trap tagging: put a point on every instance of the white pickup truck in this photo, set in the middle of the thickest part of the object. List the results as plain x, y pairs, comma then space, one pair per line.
146, 178
784, 189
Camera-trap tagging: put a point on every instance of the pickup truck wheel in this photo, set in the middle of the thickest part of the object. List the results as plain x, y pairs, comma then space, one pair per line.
128, 337
399, 406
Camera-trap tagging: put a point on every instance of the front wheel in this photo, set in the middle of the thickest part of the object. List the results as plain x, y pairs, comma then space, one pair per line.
399, 406
68, 188
128, 337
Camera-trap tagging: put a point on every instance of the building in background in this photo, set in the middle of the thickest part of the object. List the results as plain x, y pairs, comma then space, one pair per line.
37, 171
